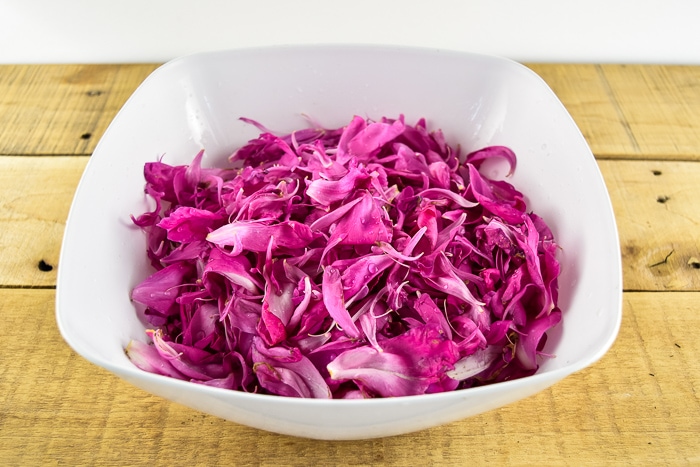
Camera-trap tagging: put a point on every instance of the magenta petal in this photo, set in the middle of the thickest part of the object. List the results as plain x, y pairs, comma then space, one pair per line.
270, 327
362, 271
497, 332
159, 178
147, 358
255, 236
187, 224
530, 245
193, 363
385, 374
368, 323
267, 147
356, 125
161, 289
440, 174
532, 334
444, 279
187, 252
228, 382
431, 314
333, 299
242, 314
236, 269
335, 344
327, 192
364, 224
476, 158
456, 198
470, 337
408, 364
511, 209
287, 372
374, 136
428, 219
202, 328
324, 222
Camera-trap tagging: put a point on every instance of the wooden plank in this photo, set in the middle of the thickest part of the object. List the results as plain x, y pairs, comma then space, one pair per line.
62, 109
631, 111
661, 105
644, 112
657, 212
637, 405
35, 196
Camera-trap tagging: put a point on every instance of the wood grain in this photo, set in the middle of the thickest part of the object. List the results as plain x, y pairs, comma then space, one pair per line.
661, 106
62, 109
630, 111
35, 196
637, 405
658, 216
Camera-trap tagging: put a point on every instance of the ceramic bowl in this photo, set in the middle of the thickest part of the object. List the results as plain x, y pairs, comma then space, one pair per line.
195, 102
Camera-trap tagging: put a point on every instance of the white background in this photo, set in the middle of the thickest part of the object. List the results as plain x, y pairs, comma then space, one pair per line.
79, 31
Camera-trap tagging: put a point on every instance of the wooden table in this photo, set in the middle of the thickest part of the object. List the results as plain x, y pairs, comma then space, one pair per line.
640, 404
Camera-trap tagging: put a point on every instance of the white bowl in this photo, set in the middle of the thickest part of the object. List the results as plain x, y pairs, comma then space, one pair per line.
195, 102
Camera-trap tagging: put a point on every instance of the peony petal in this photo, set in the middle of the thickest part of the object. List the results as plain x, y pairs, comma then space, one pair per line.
333, 299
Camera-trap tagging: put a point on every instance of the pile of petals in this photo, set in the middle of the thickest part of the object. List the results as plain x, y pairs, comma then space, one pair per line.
371, 260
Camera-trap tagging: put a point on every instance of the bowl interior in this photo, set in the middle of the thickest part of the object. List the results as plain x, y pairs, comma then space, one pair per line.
195, 103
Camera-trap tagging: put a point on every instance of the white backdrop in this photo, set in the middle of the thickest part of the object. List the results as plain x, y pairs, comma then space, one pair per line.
78, 31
